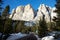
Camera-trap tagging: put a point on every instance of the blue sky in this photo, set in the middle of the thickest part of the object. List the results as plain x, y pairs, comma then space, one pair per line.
34, 3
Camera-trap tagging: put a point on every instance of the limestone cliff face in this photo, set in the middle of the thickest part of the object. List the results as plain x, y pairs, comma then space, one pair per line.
20, 9
18, 13
27, 13
43, 10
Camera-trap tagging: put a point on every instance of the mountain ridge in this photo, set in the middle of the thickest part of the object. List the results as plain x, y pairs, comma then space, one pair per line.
27, 13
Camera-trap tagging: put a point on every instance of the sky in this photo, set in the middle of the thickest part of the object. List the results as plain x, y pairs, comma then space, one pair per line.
34, 3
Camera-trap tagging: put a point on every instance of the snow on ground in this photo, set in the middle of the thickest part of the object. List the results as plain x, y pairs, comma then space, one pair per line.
37, 37
48, 38
15, 36
54, 33
0, 34
20, 35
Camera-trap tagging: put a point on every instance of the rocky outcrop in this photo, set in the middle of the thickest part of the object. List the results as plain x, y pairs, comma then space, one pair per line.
19, 13
27, 13
42, 10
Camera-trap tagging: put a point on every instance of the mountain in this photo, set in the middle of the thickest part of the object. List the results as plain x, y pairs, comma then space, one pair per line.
43, 10
46, 11
18, 13
27, 13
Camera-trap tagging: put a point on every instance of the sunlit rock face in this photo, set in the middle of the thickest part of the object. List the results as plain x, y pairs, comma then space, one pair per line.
19, 13
27, 13
20, 9
42, 10
13, 10
27, 7
46, 11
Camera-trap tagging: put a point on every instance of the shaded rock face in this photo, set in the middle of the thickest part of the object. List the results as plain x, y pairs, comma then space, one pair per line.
27, 13
29, 37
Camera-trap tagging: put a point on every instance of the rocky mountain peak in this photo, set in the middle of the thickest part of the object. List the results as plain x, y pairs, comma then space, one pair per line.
27, 13
42, 7
20, 9
27, 7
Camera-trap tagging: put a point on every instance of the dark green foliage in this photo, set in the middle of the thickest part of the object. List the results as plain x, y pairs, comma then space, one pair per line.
1, 21
53, 26
8, 26
20, 26
6, 22
5, 13
1, 6
1, 24
14, 25
27, 29
43, 24
49, 26
33, 29
57, 19
42, 29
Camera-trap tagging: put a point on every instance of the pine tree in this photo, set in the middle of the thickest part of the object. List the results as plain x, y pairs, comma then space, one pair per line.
7, 25
5, 13
20, 26
1, 21
1, 2
42, 29
57, 20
